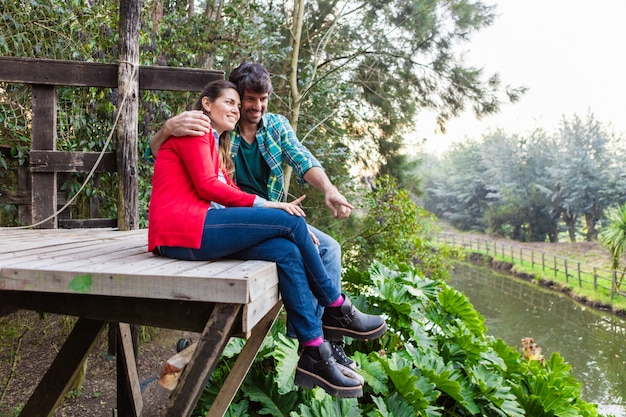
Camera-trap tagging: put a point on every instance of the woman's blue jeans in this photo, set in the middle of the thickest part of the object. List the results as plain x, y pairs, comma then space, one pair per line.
271, 235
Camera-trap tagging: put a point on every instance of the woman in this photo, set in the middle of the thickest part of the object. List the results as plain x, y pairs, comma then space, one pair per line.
198, 213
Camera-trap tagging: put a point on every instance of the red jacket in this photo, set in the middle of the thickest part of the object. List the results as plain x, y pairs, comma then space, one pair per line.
184, 184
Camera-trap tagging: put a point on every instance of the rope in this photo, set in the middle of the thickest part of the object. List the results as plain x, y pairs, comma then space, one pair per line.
95, 166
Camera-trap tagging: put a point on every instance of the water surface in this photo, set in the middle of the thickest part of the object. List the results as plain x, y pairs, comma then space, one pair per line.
593, 343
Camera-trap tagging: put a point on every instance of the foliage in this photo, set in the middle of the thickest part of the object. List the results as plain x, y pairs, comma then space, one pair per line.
389, 226
613, 237
435, 360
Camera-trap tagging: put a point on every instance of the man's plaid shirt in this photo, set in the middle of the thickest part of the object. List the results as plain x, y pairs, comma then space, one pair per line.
278, 145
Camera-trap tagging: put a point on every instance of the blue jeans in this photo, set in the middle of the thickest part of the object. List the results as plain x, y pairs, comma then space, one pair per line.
330, 251
271, 235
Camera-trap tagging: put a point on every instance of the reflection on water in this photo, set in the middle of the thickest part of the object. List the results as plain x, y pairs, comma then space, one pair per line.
591, 342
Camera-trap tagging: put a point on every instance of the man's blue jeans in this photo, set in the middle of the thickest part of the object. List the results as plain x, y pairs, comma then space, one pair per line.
330, 251
271, 235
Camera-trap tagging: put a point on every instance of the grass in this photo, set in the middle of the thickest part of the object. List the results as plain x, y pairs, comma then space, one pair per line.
588, 278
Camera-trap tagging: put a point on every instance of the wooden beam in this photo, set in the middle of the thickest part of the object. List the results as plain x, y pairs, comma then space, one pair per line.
44, 185
58, 161
55, 383
208, 351
129, 401
243, 363
183, 315
93, 74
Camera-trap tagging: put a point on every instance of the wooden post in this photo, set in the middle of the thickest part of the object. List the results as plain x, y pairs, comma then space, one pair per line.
44, 195
128, 105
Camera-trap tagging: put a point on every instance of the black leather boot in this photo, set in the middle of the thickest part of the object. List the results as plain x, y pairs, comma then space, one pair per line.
346, 320
317, 368
345, 365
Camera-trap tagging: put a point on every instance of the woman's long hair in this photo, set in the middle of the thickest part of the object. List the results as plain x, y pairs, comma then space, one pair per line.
213, 91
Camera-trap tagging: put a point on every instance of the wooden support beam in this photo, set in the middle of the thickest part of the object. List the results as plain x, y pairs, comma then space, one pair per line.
129, 401
44, 186
243, 363
56, 382
209, 349
128, 107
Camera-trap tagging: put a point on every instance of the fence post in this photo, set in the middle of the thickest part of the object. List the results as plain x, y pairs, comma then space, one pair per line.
532, 259
595, 279
613, 282
512, 258
521, 257
580, 282
543, 261
566, 273
555, 269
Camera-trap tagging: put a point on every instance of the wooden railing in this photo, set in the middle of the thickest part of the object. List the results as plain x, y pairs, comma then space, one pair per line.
573, 272
38, 187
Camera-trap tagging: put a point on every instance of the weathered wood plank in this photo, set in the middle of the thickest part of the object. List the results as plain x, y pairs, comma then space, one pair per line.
92, 74
254, 310
61, 161
55, 383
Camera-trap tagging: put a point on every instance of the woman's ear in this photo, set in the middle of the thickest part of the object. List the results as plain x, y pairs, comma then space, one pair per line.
206, 104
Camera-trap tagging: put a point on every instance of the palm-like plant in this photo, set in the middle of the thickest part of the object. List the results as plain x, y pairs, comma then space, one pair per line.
614, 236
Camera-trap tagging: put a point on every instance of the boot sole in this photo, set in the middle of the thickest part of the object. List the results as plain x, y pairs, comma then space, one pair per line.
306, 379
336, 333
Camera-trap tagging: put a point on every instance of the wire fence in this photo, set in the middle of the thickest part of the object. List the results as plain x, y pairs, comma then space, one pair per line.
572, 272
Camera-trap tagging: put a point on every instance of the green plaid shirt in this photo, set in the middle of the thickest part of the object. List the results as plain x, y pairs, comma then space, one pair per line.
278, 145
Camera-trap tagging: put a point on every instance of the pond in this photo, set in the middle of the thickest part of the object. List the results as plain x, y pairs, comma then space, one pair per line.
591, 342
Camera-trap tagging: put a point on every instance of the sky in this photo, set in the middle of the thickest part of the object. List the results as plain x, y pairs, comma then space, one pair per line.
570, 55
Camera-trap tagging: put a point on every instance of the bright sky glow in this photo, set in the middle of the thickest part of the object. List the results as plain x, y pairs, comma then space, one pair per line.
570, 54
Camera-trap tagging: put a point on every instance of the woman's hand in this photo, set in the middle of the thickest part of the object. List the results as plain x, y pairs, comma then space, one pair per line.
291, 208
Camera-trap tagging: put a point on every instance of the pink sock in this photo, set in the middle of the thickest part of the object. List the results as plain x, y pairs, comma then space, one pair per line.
315, 342
338, 302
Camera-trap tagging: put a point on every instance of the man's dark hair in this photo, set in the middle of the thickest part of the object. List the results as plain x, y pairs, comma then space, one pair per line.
251, 76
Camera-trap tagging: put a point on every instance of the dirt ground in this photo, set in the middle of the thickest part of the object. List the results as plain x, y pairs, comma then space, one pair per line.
29, 343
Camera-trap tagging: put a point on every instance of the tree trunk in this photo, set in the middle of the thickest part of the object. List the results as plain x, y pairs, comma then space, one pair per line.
570, 221
590, 221
157, 15
296, 97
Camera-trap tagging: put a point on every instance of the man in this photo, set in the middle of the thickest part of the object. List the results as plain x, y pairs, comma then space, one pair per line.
260, 144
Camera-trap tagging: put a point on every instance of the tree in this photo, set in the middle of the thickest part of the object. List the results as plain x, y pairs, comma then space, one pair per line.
585, 174
613, 237
457, 190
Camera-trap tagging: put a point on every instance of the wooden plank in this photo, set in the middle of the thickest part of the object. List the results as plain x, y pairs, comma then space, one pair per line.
261, 275
92, 74
56, 382
242, 364
129, 401
59, 161
254, 311
92, 223
167, 287
208, 351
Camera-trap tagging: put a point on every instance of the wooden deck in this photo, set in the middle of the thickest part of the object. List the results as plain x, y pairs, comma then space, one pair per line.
104, 275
